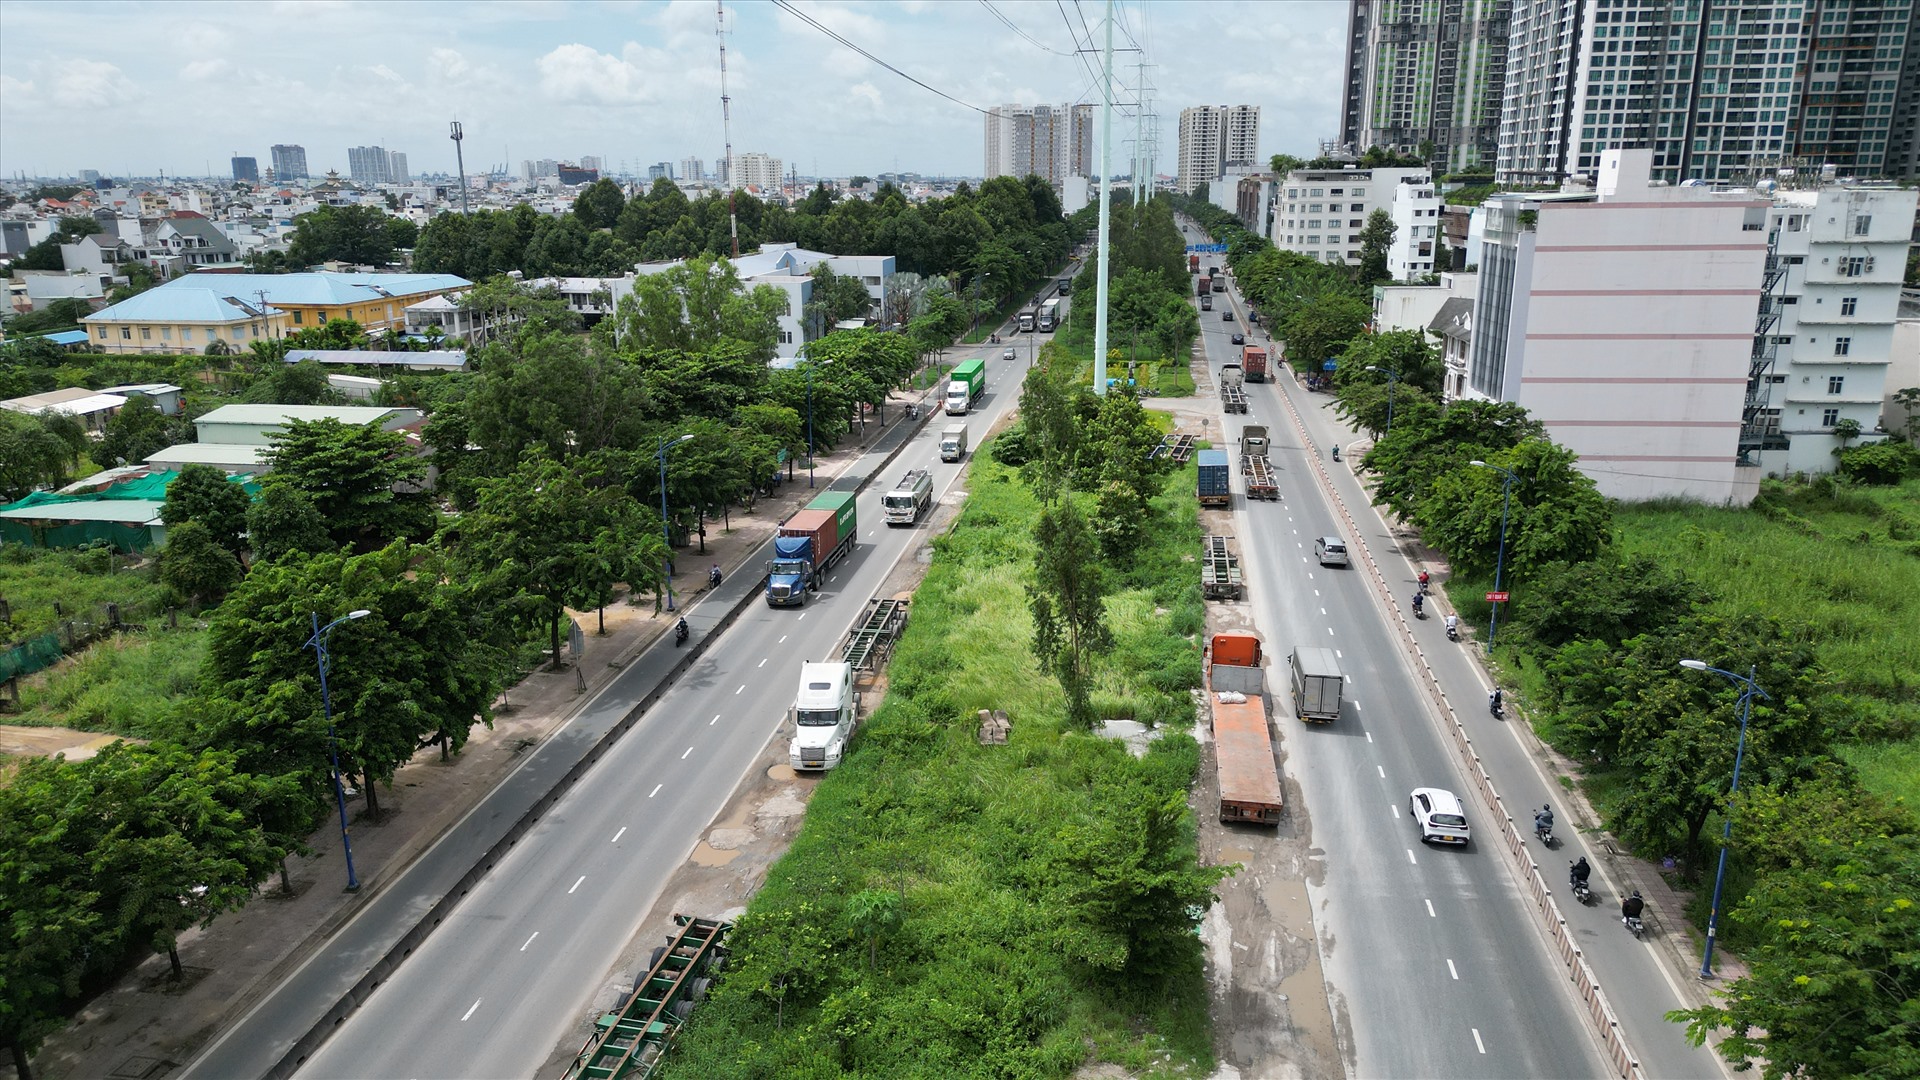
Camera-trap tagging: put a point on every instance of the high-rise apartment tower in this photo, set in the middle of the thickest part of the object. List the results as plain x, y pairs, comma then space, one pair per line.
1424, 77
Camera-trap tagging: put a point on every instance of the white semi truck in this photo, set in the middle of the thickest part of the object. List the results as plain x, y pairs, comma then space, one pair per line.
825, 710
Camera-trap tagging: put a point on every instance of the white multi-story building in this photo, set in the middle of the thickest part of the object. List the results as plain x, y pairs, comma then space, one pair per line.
1416, 230
788, 267
1834, 286
1320, 212
1716, 90
1215, 139
692, 170
761, 171
1623, 320
289, 162
1053, 142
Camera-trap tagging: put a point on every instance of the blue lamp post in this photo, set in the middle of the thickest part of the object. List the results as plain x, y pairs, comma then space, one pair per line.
666, 529
1748, 688
809, 370
1500, 557
318, 643
1393, 381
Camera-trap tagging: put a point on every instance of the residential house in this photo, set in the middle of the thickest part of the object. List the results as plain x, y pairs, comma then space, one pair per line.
183, 243
93, 408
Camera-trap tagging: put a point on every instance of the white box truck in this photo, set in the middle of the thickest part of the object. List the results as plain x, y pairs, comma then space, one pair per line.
825, 710
953, 442
1317, 683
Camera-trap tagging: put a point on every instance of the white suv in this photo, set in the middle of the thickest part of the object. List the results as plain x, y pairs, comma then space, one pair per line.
1439, 815
1330, 550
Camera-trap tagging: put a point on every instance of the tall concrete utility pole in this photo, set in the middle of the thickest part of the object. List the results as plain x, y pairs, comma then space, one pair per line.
1106, 207
726, 126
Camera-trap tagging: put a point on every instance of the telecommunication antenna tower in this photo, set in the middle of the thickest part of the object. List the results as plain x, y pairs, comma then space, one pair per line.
726, 124
460, 162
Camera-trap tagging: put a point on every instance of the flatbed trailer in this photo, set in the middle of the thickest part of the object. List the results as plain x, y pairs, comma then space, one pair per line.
631, 1043
1233, 398
871, 643
1177, 447
1220, 570
1259, 474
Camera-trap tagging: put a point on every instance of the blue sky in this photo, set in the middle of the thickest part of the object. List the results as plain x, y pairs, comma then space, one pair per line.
133, 88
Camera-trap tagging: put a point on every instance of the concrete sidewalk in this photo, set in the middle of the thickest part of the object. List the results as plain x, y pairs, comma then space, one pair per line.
149, 1027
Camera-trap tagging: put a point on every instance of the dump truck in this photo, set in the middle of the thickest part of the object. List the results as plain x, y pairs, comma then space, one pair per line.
1317, 683
953, 442
965, 385
1254, 359
1243, 749
825, 710
1204, 287
807, 544
912, 495
1215, 485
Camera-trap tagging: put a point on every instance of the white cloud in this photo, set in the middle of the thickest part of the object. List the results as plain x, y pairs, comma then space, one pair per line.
205, 70
578, 75
92, 84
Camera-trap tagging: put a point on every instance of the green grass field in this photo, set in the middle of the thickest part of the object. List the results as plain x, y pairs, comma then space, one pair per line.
975, 980
1845, 562
33, 580
127, 684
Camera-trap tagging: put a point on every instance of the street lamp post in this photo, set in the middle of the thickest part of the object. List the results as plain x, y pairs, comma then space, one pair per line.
1393, 381
318, 643
1500, 557
809, 425
666, 530
1748, 688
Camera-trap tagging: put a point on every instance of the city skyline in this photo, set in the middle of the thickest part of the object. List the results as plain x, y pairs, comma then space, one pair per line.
632, 84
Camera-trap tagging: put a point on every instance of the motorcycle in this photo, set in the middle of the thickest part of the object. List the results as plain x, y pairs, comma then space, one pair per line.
1336, 453
1453, 631
1543, 833
1582, 892
913, 412
1419, 607
713, 578
1496, 706
680, 633
1634, 925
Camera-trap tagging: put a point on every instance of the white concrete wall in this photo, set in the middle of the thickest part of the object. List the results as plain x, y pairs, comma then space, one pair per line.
1633, 342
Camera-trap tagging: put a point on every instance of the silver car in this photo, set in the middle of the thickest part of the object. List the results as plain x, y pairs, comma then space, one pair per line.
1331, 551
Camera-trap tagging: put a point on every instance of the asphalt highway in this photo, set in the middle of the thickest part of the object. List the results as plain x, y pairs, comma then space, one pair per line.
495, 987
1434, 957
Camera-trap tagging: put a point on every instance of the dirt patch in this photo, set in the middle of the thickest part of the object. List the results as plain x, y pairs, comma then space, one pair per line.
22, 740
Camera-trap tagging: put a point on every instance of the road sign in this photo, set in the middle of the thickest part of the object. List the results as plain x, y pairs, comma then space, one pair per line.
1206, 249
1496, 598
1329, 365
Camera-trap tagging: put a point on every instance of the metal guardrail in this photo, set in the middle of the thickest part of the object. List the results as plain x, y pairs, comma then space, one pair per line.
1586, 983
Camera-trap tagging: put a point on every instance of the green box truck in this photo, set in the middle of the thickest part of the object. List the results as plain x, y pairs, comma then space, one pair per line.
964, 386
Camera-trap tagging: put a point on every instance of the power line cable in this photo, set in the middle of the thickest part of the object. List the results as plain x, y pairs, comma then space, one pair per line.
788, 7
1009, 24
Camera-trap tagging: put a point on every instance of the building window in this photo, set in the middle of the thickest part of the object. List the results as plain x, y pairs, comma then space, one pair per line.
786, 337
1848, 304
103, 333
166, 333
1856, 266
1862, 224
299, 317
146, 333
212, 335
1829, 417
1842, 346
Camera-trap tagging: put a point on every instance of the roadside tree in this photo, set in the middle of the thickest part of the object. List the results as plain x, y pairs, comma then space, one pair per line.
365, 482
203, 494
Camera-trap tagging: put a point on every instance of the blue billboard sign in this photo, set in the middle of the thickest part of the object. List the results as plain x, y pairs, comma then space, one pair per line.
1206, 249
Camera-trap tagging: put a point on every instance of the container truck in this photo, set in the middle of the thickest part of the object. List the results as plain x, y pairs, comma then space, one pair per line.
1254, 359
1193, 264
1049, 316
953, 442
1317, 683
1219, 284
1215, 480
1206, 303
1243, 750
807, 544
912, 495
1204, 286
825, 710
964, 386
1027, 318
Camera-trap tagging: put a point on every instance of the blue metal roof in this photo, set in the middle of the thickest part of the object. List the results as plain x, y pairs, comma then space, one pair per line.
68, 337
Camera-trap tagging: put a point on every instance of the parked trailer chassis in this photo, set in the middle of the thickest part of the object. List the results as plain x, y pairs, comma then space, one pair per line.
630, 1044
1220, 570
871, 643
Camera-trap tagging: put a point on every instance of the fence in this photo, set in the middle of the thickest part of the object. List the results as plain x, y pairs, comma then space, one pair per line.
38, 653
